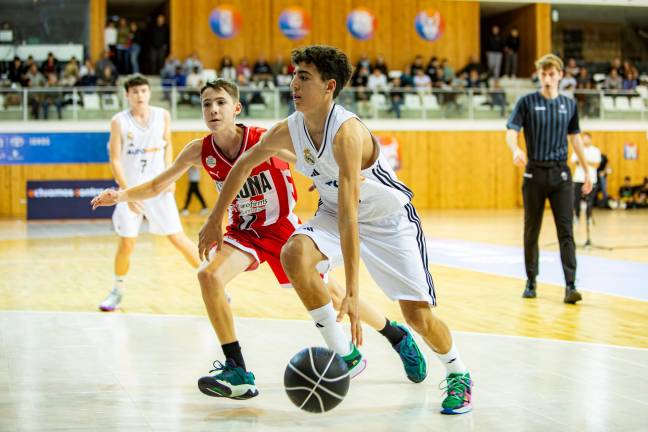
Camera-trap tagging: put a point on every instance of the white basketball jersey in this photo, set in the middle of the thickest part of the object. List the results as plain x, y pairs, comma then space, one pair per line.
381, 193
142, 147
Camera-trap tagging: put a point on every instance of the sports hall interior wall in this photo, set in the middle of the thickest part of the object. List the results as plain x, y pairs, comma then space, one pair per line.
395, 38
445, 169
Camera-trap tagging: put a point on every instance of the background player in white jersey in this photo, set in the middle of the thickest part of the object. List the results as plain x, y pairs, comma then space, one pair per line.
364, 211
252, 237
140, 148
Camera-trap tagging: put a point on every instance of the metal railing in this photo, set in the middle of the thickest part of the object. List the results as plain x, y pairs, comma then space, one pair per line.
95, 103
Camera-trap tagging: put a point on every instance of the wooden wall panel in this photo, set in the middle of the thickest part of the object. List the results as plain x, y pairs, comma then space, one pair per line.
445, 169
396, 38
97, 18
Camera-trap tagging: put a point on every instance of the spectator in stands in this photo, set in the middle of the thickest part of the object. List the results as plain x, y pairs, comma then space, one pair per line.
364, 62
587, 101
359, 82
511, 49
34, 78
244, 96
179, 79
572, 67
195, 82
448, 71
616, 64
107, 77
494, 49
568, 84
227, 69
244, 69
135, 38
380, 64
422, 81
475, 82
261, 71
631, 81
473, 63
613, 80
16, 71
123, 41
396, 97
159, 43
87, 74
50, 65
406, 78
416, 65
626, 68
27, 66
52, 97
431, 68
193, 61
377, 81
110, 36
71, 73
102, 65
170, 65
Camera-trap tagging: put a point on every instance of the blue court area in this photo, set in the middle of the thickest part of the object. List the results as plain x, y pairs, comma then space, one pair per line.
604, 275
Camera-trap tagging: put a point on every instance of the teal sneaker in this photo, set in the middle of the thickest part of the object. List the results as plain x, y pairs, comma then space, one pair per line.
230, 381
458, 394
355, 362
411, 356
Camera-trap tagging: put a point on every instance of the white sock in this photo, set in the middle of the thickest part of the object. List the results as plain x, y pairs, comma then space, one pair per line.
325, 320
118, 284
452, 361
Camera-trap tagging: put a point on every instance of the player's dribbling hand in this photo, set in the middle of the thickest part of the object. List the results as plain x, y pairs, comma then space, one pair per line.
211, 234
519, 158
350, 306
108, 197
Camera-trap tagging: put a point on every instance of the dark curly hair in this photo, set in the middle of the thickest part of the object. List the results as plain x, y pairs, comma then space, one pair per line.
330, 62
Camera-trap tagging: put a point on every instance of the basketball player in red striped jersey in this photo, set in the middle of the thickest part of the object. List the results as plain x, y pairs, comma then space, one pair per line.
261, 220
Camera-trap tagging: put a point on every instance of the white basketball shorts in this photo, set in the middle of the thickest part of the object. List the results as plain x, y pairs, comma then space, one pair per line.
393, 249
161, 213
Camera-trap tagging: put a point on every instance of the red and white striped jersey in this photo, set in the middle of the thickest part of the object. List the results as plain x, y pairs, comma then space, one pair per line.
269, 193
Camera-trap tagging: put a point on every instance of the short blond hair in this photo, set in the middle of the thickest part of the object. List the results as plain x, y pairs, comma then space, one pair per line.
548, 61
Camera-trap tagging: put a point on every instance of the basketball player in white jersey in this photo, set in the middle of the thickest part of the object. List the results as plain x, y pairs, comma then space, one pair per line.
364, 211
140, 148
252, 238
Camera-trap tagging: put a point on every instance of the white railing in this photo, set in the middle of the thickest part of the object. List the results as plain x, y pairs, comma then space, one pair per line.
92, 103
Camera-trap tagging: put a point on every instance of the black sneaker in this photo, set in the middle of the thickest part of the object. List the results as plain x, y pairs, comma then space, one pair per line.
530, 290
572, 295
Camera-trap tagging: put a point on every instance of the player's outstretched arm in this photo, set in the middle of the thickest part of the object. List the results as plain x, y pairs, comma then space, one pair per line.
347, 150
275, 141
189, 156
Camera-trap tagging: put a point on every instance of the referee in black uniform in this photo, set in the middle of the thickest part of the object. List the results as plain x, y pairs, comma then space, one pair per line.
547, 119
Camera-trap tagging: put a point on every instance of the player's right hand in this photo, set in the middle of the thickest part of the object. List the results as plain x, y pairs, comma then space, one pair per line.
210, 235
519, 158
136, 207
108, 197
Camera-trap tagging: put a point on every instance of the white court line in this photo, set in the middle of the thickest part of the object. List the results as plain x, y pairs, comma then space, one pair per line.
143, 314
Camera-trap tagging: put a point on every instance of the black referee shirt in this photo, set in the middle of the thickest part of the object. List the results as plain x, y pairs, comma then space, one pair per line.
546, 123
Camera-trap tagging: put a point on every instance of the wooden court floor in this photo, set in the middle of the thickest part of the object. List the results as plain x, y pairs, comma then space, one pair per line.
68, 267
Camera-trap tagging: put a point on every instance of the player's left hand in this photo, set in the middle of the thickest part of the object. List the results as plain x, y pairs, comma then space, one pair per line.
350, 306
211, 234
108, 197
587, 185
